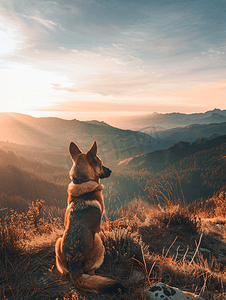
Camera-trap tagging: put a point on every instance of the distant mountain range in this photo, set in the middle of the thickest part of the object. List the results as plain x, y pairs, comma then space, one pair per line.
200, 165
48, 138
158, 122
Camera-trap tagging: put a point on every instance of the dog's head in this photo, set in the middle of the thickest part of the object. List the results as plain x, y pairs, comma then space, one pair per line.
86, 166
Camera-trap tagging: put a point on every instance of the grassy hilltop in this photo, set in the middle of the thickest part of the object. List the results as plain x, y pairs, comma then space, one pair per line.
183, 246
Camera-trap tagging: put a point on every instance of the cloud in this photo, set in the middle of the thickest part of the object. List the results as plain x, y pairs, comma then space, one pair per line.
208, 94
124, 85
11, 37
8, 41
56, 85
213, 53
119, 84
47, 23
36, 22
117, 50
95, 106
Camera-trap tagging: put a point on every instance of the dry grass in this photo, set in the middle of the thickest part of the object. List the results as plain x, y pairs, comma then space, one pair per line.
146, 245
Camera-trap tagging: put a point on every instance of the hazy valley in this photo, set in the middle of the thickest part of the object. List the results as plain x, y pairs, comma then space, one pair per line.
47, 139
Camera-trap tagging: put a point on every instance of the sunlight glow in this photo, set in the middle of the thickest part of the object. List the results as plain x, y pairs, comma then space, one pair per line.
9, 38
26, 88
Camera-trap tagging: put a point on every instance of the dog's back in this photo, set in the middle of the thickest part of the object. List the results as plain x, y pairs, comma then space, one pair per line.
80, 251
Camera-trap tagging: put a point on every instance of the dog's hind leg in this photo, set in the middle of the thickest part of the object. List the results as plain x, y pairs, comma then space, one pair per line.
60, 261
95, 255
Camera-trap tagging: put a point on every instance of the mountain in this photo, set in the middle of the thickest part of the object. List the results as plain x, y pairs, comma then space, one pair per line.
155, 122
189, 133
49, 138
158, 160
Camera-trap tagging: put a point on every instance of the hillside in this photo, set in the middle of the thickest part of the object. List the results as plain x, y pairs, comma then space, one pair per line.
33, 166
183, 171
158, 160
46, 136
23, 180
189, 171
158, 122
16, 182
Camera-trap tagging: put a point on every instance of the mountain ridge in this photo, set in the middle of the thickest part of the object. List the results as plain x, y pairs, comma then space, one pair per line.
159, 159
55, 134
188, 133
47, 138
167, 120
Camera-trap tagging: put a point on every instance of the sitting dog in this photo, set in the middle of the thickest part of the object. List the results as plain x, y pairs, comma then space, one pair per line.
80, 251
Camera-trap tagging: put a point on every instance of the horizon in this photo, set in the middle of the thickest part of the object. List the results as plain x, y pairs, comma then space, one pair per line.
98, 60
111, 119
105, 116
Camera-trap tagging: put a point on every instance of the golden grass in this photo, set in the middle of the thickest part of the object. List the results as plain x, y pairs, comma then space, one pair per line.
148, 244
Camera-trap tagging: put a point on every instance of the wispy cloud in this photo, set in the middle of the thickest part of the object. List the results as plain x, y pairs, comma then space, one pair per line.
204, 94
94, 106
47, 23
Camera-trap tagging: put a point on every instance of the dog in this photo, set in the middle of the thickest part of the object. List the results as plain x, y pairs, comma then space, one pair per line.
80, 251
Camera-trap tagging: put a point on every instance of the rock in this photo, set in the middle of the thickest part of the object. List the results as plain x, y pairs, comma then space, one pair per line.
161, 291
204, 250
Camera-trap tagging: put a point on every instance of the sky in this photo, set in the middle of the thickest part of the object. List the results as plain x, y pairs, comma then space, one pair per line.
96, 59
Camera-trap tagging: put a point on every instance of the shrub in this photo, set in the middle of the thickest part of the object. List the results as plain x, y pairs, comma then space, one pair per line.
121, 245
180, 217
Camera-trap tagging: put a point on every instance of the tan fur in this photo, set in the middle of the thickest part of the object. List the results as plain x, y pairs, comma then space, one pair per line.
80, 251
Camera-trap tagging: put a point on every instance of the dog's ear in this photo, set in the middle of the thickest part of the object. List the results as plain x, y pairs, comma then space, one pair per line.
74, 150
93, 150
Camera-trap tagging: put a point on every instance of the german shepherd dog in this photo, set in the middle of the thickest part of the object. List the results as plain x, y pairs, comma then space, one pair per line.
80, 251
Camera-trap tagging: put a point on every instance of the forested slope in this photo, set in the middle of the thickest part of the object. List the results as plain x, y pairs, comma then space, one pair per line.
183, 171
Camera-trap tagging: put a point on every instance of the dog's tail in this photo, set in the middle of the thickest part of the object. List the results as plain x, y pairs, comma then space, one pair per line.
98, 284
